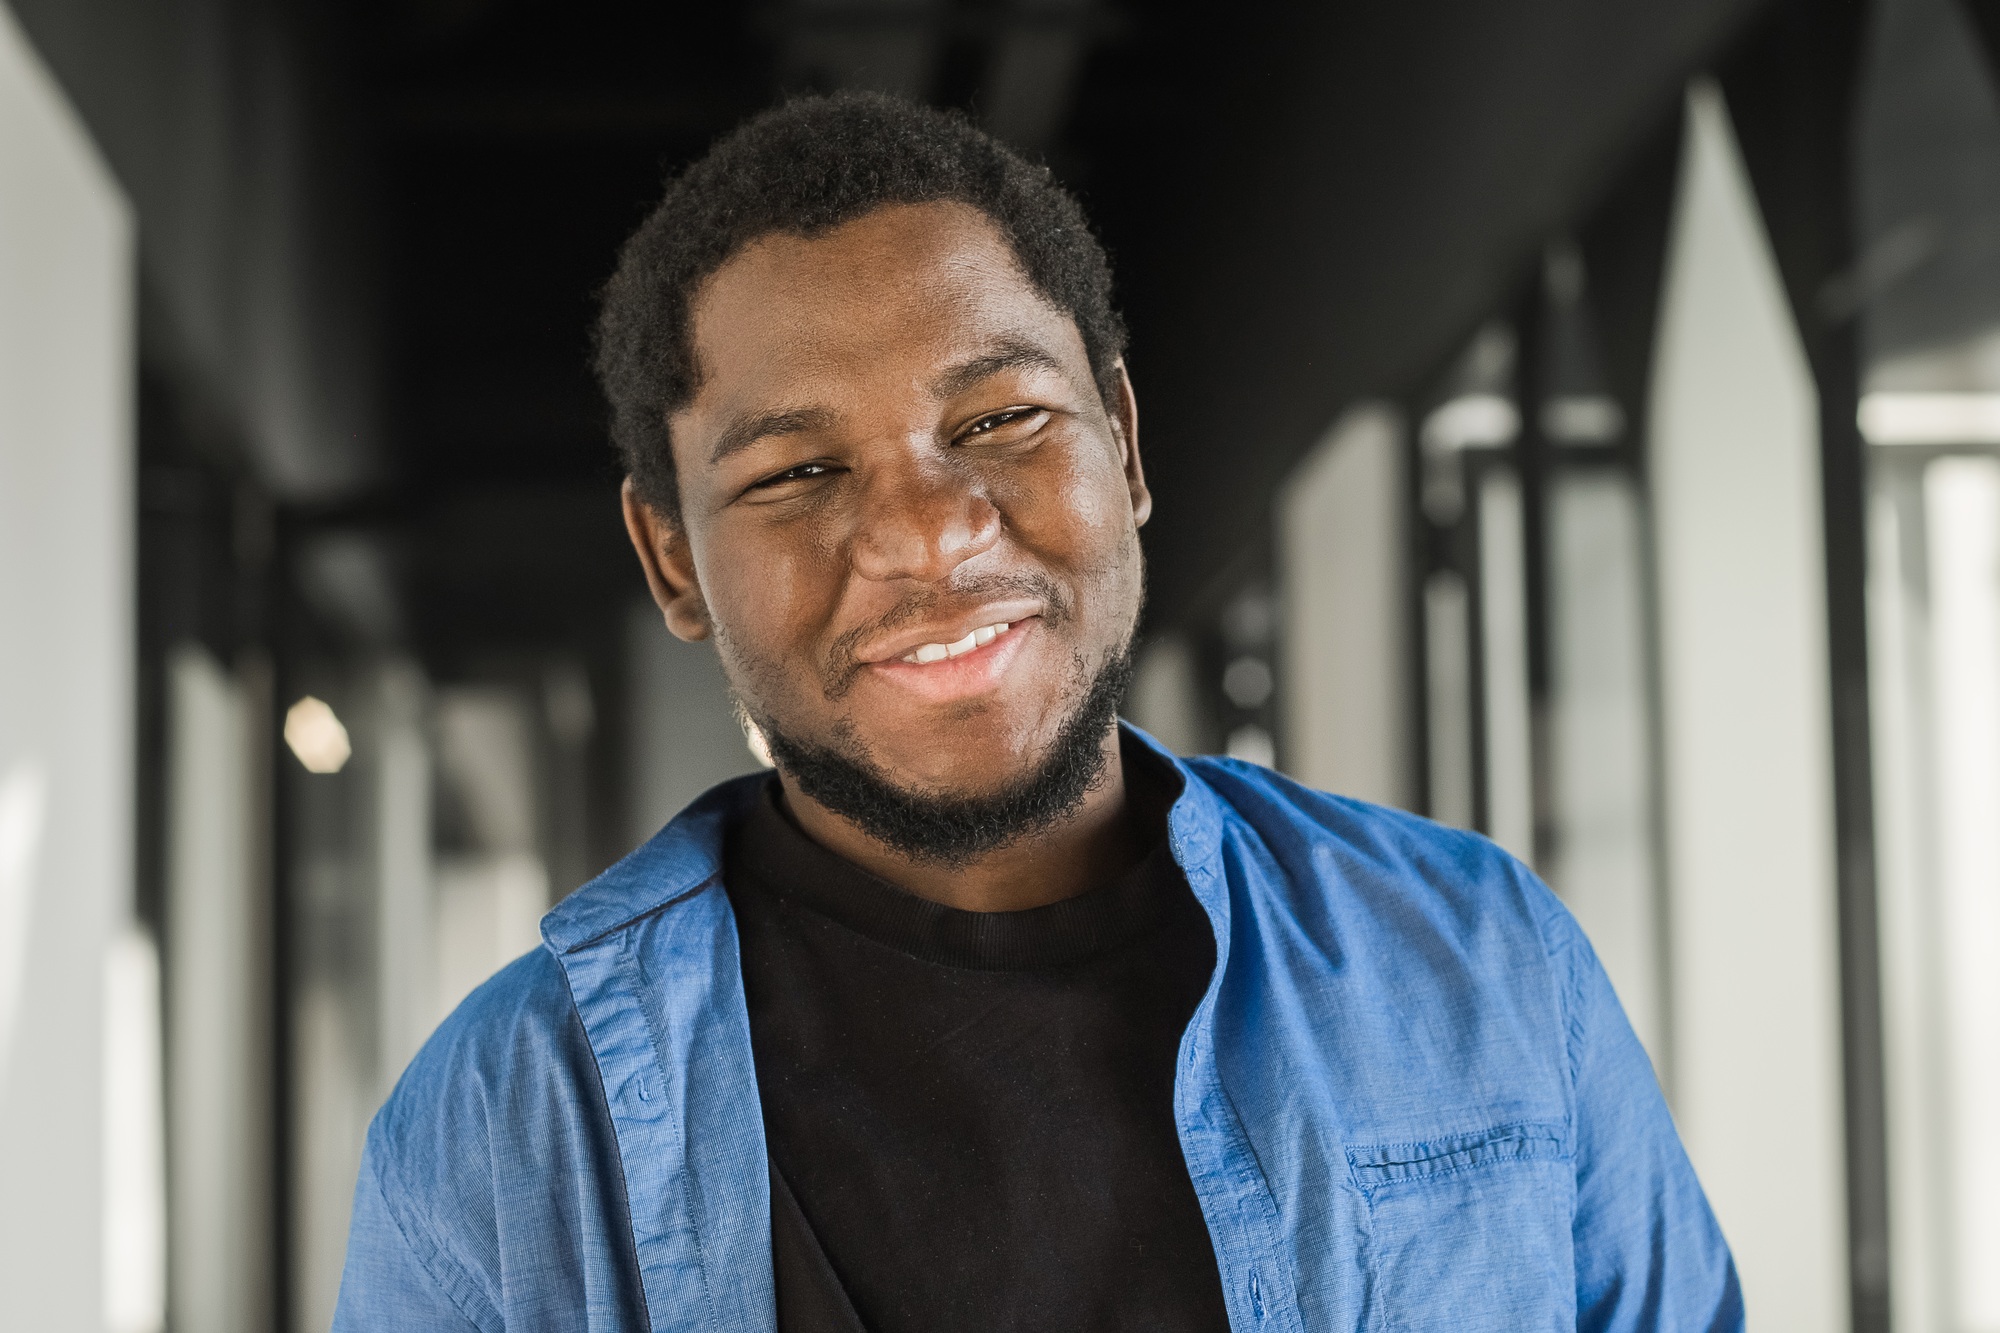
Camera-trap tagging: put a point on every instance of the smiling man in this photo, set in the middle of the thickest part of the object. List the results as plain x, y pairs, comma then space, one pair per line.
982, 1011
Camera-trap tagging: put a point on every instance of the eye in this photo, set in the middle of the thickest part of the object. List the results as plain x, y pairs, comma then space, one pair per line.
801, 472
995, 421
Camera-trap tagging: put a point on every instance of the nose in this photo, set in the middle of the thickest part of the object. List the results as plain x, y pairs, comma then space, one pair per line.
922, 521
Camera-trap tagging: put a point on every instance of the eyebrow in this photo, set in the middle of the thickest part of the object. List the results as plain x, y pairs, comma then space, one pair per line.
1010, 354
746, 431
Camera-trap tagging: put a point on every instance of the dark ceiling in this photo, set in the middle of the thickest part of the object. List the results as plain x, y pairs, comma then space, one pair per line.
1305, 204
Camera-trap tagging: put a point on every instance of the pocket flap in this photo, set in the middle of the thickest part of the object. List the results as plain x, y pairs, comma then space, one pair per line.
1377, 1164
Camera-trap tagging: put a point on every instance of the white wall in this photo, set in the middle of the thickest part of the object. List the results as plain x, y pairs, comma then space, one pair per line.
66, 645
1342, 574
1735, 476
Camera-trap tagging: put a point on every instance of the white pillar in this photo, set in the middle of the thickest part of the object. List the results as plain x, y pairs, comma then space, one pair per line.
219, 960
1962, 500
1343, 582
1503, 642
1749, 800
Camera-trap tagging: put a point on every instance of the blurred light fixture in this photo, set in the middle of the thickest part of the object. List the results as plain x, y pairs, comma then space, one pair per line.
1584, 418
1247, 681
1929, 418
1471, 421
1254, 744
1250, 618
316, 736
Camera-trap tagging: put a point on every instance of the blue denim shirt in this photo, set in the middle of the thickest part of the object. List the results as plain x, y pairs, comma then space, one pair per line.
1408, 1100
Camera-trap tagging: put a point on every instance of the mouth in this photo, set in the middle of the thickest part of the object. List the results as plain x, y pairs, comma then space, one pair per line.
927, 653
939, 670
946, 638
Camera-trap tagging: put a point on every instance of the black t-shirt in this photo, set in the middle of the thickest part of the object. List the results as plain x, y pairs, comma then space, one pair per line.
970, 1114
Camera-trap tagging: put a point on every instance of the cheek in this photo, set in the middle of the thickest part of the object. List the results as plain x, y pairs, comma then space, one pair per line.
1079, 514
768, 607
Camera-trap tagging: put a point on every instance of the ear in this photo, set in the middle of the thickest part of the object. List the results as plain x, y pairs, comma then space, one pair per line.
669, 565
1125, 424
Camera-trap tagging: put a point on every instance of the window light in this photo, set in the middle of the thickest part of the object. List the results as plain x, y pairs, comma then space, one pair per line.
1930, 418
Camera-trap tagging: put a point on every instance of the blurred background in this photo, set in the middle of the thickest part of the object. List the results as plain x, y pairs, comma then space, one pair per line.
1576, 420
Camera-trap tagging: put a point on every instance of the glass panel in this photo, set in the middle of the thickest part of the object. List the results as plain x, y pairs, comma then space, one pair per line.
1603, 859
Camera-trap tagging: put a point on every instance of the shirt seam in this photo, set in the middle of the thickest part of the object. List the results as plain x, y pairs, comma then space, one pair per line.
429, 1256
1435, 1149
1559, 936
1370, 1188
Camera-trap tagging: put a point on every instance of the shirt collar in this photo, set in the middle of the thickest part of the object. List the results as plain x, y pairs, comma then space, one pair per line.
686, 855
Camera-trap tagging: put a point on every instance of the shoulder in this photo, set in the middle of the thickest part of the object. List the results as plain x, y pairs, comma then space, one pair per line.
455, 1194
1366, 867
514, 1035
1444, 963
503, 1093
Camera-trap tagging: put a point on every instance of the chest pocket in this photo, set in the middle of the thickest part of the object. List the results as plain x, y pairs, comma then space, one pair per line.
1470, 1231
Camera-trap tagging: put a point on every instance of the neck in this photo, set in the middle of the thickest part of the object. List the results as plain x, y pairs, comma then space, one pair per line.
1097, 843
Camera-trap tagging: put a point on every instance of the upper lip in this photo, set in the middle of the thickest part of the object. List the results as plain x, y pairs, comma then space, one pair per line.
894, 646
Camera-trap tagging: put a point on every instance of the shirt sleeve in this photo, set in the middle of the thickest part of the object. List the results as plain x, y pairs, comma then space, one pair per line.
1649, 1254
387, 1283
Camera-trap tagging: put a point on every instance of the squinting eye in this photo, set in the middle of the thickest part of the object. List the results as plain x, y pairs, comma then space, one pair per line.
800, 473
999, 419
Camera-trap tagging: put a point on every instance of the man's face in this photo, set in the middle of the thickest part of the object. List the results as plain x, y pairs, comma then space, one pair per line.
906, 514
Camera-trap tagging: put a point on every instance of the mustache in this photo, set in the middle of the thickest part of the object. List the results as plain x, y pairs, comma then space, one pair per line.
845, 666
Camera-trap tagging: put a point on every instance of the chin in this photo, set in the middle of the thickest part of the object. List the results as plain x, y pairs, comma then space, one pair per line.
978, 769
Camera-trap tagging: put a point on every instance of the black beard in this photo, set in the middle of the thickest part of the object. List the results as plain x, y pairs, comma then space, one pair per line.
953, 830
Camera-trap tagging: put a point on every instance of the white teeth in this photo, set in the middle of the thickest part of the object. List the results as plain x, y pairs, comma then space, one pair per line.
937, 652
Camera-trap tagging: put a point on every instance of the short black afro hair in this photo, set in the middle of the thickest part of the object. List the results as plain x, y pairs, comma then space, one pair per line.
805, 167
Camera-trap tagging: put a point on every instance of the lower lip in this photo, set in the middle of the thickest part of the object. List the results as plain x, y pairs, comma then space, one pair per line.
959, 677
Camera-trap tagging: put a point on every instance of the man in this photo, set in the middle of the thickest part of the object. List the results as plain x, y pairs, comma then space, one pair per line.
985, 1013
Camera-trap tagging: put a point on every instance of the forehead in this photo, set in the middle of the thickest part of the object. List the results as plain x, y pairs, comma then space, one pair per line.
901, 285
